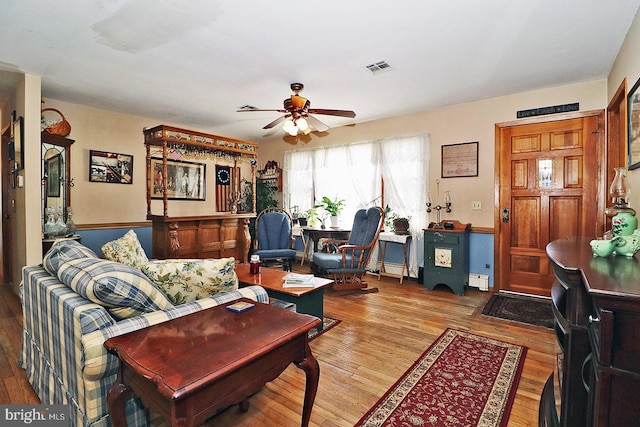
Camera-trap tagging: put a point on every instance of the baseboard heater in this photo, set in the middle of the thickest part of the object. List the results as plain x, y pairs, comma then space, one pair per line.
480, 281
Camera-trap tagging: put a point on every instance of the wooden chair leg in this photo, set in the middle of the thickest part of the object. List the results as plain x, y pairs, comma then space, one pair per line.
305, 244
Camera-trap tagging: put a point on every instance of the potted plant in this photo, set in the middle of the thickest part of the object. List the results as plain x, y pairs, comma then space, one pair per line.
311, 216
398, 224
299, 217
401, 225
333, 208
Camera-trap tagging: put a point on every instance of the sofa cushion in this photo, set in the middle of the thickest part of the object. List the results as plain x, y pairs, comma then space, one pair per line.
123, 290
64, 250
186, 280
126, 250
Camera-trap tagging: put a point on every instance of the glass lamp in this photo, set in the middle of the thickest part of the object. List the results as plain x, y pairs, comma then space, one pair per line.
290, 127
623, 221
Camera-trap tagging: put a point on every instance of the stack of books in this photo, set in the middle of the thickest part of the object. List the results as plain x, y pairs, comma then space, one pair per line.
295, 280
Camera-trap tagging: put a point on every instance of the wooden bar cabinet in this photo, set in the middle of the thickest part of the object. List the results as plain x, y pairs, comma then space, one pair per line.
210, 235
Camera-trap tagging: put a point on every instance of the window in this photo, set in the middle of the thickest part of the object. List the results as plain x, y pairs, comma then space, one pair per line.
355, 173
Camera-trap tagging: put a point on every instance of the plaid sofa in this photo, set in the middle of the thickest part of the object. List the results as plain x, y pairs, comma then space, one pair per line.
62, 347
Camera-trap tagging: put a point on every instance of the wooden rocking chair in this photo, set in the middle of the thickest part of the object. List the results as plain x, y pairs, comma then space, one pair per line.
347, 267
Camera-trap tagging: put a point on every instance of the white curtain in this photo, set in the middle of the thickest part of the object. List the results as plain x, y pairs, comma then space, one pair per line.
405, 169
349, 172
298, 181
355, 173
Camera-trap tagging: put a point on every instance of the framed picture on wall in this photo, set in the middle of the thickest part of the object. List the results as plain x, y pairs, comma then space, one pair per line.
52, 172
460, 160
110, 167
185, 180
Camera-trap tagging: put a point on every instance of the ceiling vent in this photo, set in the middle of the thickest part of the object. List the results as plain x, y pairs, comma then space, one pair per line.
378, 67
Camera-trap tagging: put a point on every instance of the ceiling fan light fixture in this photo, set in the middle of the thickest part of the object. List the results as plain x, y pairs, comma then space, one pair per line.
289, 126
302, 124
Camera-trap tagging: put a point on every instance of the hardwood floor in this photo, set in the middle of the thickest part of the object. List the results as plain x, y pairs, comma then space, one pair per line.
380, 336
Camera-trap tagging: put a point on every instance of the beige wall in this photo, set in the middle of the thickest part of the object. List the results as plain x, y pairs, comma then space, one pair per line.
24, 216
99, 203
450, 125
627, 65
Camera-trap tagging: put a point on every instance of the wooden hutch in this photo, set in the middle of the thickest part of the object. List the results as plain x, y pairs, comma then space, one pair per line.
596, 304
216, 235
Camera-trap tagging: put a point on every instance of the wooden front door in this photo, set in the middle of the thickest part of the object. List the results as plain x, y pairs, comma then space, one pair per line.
550, 184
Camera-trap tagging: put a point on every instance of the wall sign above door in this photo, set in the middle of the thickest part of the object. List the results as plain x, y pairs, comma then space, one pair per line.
564, 108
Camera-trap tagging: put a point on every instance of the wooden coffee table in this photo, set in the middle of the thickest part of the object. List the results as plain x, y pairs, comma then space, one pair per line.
189, 367
307, 300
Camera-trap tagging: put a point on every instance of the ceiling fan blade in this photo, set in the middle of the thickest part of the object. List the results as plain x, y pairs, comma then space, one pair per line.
341, 113
276, 121
256, 109
316, 124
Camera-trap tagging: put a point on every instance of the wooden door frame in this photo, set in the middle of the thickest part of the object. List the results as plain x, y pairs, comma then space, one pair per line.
617, 150
617, 120
497, 217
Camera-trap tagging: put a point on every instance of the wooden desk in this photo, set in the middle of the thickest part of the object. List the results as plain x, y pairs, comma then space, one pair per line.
315, 234
402, 239
307, 300
189, 367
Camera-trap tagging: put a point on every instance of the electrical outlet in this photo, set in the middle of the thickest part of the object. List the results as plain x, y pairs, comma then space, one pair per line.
476, 205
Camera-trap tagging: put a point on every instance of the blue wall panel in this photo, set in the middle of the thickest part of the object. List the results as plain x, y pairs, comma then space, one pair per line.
481, 254
480, 247
94, 239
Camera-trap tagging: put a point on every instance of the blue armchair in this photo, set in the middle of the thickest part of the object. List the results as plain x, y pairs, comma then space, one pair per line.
347, 267
273, 242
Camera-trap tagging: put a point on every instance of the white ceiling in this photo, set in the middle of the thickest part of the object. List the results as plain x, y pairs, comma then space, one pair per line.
195, 62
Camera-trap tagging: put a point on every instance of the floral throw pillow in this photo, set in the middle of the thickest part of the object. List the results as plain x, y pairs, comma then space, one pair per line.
186, 280
126, 250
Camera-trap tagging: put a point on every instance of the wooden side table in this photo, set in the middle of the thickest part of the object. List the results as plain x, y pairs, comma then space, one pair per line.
189, 367
308, 300
404, 240
297, 231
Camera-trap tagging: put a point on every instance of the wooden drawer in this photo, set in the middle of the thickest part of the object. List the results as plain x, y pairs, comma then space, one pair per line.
449, 238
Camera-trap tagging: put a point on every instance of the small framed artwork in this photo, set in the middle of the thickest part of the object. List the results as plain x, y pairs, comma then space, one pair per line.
52, 172
109, 167
633, 109
184, 180
459, 160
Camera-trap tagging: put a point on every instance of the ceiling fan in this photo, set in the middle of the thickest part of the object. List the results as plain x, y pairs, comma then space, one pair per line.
297, 117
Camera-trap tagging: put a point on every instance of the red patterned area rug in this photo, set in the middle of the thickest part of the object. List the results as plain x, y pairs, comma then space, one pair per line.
461, 380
